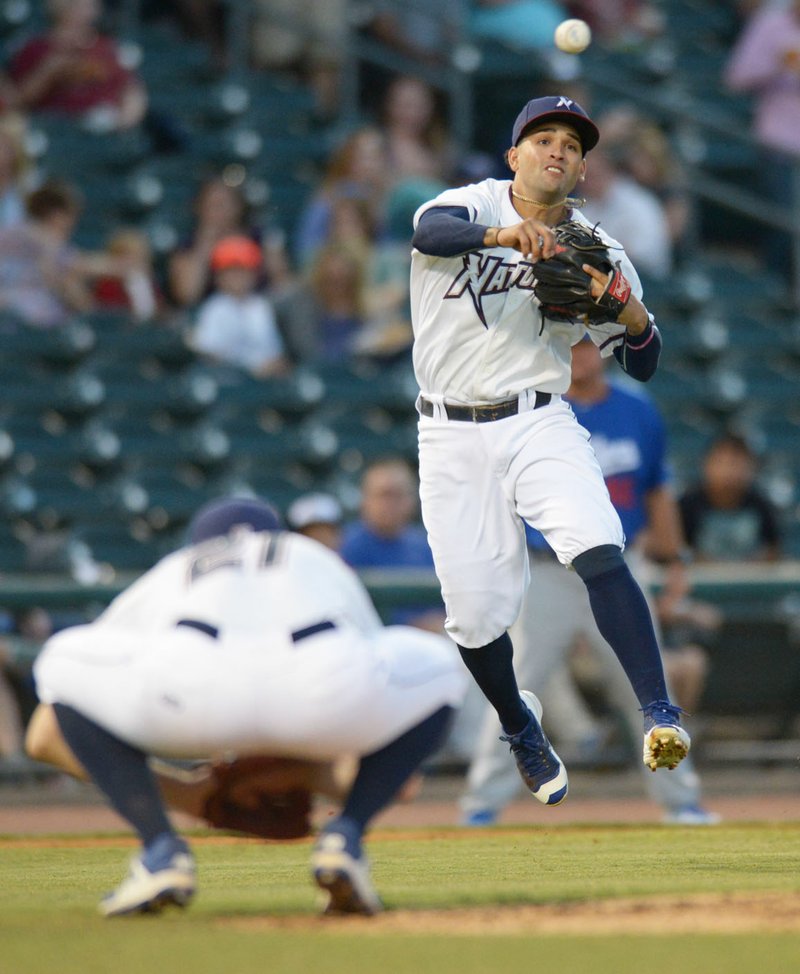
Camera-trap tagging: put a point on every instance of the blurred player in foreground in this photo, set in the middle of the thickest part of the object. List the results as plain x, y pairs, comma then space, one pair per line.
249, 640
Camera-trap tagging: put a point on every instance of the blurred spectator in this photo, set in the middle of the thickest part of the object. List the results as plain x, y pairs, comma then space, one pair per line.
417, 141
352, 228
765, 62
236, 324
75, 70
628, 436
357, 168
522, 24
426, 33
620, 23
387, 332
689, 629
388, 533
307, 38
219, 210
292, 300
643, 151
725, 515
15, 168
632, 214
318, 516
44, 278
137, 291
201, 20
11, 727
336, 281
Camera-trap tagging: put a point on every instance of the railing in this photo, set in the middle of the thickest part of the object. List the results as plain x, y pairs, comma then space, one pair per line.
754, 675
736, 587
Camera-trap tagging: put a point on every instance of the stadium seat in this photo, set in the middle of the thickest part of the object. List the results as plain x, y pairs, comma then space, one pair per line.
79, 393
117, 545
129, 392
366, 384
120, 339
291, 397
311, 444
12, 552
57, 348
39, 445
362, 439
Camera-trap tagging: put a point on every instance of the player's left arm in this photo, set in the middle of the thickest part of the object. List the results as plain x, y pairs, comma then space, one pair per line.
640, 351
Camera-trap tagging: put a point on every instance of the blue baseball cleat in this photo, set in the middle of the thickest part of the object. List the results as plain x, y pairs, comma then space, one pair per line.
666, 743
479, 818
539, 766
691, 815
341, 869
162, 875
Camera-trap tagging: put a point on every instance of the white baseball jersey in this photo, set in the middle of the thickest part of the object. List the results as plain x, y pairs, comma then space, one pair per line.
480, 337
478, 331
261, 642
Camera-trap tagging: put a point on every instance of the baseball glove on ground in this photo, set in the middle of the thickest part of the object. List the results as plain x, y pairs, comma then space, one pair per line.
564, 288
260, 796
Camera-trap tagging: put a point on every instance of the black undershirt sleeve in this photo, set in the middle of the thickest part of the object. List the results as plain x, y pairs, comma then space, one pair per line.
446, 231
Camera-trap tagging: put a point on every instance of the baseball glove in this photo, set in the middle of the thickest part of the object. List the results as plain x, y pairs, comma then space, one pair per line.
564, 288
261, 796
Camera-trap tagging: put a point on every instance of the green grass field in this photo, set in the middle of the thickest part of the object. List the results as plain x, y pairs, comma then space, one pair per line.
458, 902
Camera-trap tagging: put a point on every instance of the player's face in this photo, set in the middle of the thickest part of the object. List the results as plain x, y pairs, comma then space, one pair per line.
548, 160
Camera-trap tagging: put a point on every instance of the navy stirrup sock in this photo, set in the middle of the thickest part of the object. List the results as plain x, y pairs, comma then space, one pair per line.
120, 771
383, 773
492, 669
624, 621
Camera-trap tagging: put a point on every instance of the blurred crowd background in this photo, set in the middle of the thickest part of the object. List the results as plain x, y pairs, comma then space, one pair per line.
205, 223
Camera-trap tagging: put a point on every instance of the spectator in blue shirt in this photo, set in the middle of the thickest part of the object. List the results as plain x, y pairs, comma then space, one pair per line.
388, 534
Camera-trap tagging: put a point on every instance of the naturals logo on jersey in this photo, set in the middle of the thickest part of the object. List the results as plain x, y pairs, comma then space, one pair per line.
485, 275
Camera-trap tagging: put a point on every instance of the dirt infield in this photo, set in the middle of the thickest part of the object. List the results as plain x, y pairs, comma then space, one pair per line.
735, 913
755, 795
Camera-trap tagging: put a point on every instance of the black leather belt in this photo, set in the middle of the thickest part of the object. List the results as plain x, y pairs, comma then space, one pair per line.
297, 635
482, 414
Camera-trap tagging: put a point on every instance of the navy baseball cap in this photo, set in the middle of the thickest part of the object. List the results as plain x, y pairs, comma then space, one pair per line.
218, 517
556, 107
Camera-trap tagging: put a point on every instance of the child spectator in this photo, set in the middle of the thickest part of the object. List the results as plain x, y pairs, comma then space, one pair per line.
136, 291
236, 324
44, 278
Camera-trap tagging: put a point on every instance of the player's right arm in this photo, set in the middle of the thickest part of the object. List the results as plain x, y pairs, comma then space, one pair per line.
447, 231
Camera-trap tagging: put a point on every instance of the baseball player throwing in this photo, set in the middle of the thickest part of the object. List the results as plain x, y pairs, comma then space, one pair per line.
249, 640
497, 443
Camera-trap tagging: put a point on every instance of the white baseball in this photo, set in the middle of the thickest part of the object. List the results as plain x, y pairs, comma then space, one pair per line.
573, 36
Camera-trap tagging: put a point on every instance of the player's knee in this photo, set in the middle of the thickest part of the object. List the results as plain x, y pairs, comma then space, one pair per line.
478, 620
598, 561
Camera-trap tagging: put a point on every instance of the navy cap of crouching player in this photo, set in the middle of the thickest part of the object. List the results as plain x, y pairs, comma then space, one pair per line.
218, 517
556, 108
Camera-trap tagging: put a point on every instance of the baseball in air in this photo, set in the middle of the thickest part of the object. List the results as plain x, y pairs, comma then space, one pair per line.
573, 36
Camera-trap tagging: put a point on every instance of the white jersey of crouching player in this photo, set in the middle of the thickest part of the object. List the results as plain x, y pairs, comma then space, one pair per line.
251, 642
